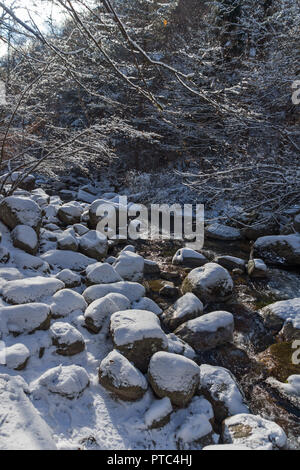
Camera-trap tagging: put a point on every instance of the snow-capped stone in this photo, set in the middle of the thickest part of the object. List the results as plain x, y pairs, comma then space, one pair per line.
93, 244
132, 290
25, 238
65, 302
70, 213
25, 261
130, 266
173, 376
4, 254
208, 331
119, 376
66, 241
290, 389
67, 339
254, 432
10, 274
31, 289
25, 182
27, 318
101, 273
95, 215
219, 386
257, 268
231, 262
130, 248
151, 267
101, 309
297, 223
211, 282
80, 229
22, 427
283, 314
147, 304
189, 258
67, 381
20, 211
159, 413
16, 356
64, 259
138, 335
69, 278
196, 430
178, 346
282, 250
222, 232
186, 308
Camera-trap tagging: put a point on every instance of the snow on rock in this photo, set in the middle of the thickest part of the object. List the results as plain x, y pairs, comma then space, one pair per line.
80, 229
222, 232
121, 377
291, 388
67, 339
178, 346
93, 244
10, 274
132, 290
16, 356
283, 314
102, 273
4, 254
70, 213
173, 376
31, 289
130, 266
25, 261
25, 238
231, 262
229, 447
69, 278
22, 427
196, 430
159, 413
147, 304
208, 331
257, 268
20, 211
282, 250
64, 259
211, 283
67, 381
138, 335
65, 302
221, 389
185, 308
254, 432
67, 241
27, 318
189, 258
151, 267
100, 310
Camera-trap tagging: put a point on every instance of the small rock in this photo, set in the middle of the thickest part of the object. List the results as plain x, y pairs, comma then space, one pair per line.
67, 381
178, 346
25, 238
66, 241
130, 266
132, 290
100, 310
196, 431
27, 318
70, 213
102, 273
31, 289
147, 304
168, 290
80, 229
159, 413
20, 211
222, 232
279, 314
93, 244
231, 262
189, 258
151, 267
64, 259
257, 268
281, 250
186, 308
67, 339
16, 356
4, 254
69, 278
65, 302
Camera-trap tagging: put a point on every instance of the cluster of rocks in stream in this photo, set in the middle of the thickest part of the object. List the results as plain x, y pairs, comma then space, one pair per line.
186, 330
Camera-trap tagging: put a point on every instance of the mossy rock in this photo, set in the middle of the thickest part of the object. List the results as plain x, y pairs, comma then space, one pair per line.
278, 361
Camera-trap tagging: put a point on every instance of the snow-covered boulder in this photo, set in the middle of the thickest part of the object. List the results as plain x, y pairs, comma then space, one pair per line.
70, 213
64, 259
25, 261
80, 229
189, 258
211, 282
231, 262
159, 413
219, 386
65, 302
69, 278
178, 346
130, 266
283, 314
22, 427
25, 238
67, 381
67, 241
186, 308
16, 356
147, 304
93, 244
100, 310
31, 289
208, 331
20, 211
282, 250
101, 273
257, 268
196, 431
27, 318
132, 290
138, 335
10, 274
95, 215
67, 339
254, 432
121, 377
151, 267
222, 232
173, 376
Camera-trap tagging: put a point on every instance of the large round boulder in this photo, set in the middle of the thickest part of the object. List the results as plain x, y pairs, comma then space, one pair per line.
17, 210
